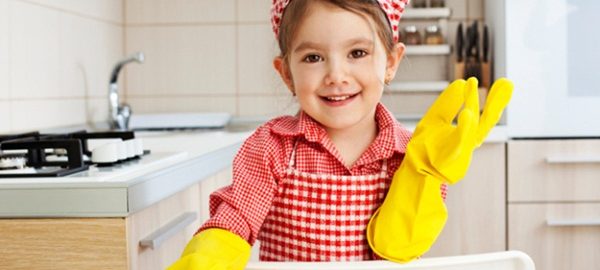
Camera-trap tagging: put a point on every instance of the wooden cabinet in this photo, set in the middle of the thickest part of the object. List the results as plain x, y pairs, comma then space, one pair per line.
149, 239
554, 202
476, 207
156, 235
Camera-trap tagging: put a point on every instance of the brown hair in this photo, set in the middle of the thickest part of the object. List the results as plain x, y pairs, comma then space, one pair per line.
296, 11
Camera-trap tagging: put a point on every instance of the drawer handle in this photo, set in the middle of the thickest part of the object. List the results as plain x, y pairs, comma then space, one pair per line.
571, 160
572, 223
155, 239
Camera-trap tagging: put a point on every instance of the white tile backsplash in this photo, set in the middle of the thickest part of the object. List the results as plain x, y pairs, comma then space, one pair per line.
34, 51
142, 105
256, 49
88, 50
46, 113
107, 10
4, 76
54, 54
267, 106
179, 11
182, 60
254, 11
96, 110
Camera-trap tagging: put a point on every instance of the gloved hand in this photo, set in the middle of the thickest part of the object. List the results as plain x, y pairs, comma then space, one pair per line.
413, 213
214, 249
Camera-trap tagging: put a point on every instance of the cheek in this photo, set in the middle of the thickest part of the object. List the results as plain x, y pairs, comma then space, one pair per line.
306, 78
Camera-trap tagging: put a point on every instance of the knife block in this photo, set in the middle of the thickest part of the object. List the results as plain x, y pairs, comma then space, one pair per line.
486, 75
459, 70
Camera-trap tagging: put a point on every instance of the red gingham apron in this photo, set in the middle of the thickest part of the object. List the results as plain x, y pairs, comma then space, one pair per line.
319, 217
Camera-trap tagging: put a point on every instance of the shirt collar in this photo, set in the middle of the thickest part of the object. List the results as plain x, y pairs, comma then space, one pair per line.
392, 137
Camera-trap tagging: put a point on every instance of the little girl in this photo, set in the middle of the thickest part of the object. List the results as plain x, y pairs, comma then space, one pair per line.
311, 187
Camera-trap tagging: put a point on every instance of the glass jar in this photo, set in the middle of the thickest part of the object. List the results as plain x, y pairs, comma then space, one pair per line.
437, 3
418, 3
433, 35
411, 35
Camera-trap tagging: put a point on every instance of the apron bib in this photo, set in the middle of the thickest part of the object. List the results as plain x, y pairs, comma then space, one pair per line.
320, 217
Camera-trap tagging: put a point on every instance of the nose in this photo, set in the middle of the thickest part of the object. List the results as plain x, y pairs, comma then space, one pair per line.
337, 72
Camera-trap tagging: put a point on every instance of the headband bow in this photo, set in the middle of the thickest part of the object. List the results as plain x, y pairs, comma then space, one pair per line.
393, 10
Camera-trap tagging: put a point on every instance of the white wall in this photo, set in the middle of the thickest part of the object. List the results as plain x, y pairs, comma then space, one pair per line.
204, 56
55, 59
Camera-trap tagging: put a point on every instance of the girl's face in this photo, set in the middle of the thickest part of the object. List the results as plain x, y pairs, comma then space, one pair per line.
337, 67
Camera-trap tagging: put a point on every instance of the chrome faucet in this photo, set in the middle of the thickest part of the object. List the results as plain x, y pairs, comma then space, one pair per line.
120, 113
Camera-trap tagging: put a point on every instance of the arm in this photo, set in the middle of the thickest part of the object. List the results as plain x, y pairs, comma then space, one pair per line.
413, 213
237, 211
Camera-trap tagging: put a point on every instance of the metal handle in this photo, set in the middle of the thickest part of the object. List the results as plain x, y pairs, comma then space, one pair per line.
155, 239
572, 223
572, 160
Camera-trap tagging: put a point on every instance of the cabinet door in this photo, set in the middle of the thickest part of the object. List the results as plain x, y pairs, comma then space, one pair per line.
557, 236
476, 207
156, 236
63, 243
553, 170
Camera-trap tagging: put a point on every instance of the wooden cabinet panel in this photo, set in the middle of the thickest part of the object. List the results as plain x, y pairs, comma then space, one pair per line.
557, 236
63, 243
553, 170
476, 207
108, 243
158, 220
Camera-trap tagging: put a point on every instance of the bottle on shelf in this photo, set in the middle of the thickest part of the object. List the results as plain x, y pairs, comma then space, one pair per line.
412, 35
418, 3
433, 35
437, 3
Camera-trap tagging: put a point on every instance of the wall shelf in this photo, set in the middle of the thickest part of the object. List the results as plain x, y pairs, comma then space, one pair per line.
418, 87
426, 13
443, 49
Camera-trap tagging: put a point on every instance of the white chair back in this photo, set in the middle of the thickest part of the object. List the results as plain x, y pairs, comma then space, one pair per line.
505, 260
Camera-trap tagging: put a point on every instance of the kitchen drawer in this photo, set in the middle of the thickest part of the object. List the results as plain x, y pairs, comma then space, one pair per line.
557, 236
157, 235
554, 170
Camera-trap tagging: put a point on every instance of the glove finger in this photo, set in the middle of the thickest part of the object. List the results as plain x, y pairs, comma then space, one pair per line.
466, 131
472, 97
495, 103
447, 105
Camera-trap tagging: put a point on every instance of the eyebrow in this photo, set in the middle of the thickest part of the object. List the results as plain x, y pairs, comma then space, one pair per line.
313, 45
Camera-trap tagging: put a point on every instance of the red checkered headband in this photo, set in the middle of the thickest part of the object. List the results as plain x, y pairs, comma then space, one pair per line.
392, 8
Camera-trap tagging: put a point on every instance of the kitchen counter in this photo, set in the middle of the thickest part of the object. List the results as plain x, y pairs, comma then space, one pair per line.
178, 160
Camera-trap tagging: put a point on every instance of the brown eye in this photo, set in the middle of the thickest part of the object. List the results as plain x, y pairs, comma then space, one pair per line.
312, 58
358, 53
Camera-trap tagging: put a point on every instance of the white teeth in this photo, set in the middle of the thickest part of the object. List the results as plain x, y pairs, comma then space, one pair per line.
340, 98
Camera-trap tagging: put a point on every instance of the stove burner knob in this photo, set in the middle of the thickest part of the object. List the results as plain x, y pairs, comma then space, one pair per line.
129, 148
106, 153
139, 147
122, 150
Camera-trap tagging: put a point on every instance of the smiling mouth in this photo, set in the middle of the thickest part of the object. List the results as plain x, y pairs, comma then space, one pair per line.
339, 98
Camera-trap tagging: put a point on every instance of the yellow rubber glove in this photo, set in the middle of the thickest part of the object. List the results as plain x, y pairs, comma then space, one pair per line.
214, 249
413, 213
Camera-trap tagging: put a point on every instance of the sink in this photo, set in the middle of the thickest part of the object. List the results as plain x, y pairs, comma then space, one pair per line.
170, 121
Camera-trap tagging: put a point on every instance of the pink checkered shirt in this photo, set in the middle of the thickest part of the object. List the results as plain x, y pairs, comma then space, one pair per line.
262, 162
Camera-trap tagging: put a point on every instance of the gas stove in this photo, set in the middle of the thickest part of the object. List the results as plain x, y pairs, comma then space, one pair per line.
36, 154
